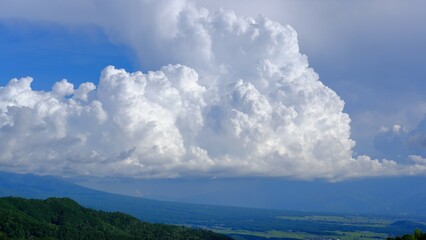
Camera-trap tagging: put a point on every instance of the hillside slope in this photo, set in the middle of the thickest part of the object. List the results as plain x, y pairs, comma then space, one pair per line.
233, 221
40, 187
63, 218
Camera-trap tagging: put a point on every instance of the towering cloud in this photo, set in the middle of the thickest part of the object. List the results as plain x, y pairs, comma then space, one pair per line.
239, 100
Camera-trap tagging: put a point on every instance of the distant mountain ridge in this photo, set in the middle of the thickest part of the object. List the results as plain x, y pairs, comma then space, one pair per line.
367, 196
41, 187
63, 218
196, 215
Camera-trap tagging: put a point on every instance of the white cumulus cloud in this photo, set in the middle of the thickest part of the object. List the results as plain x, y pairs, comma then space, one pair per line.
418, 159
402, 143
239, 100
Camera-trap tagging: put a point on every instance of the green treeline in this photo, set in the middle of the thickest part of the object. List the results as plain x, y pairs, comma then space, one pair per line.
417, 235
63, 218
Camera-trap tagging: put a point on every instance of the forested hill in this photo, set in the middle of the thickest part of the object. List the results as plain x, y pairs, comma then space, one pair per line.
63, 218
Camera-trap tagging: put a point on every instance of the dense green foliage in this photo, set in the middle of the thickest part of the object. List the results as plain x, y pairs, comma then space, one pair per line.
417, 235
63, 218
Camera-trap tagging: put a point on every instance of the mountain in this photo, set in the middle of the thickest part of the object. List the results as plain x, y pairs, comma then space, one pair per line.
63, 218
367, 197
236, 222
385, 195
40, 187
33, 186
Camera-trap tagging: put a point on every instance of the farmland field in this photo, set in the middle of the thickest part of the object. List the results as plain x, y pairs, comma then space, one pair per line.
327, 226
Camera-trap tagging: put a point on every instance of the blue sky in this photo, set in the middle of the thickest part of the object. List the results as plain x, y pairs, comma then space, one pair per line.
49, 52
370, 54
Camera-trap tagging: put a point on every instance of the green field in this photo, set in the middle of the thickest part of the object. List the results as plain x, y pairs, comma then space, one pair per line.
361, 221
304, 235
317, 226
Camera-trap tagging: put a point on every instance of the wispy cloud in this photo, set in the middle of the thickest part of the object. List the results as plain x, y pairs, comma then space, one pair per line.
401, 142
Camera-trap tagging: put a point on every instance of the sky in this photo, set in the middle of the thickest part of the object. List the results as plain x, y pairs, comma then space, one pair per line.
309, 90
